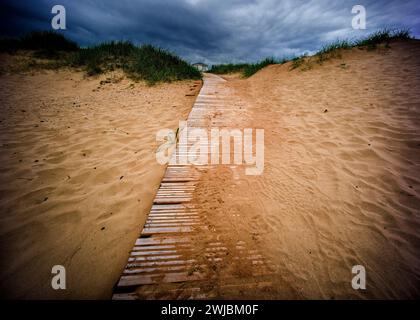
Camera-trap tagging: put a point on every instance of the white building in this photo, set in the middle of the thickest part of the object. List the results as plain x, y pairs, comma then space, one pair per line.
201, 66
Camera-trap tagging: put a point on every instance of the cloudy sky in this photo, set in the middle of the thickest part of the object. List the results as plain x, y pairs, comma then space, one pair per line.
213, 31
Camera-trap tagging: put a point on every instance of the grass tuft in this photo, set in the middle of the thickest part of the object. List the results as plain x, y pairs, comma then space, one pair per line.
104, 57
329, 51
228, 68
154, 65
297, 62
382, 36
255, 67
332, 50
247, 69
45, 44
47, 41
138, 62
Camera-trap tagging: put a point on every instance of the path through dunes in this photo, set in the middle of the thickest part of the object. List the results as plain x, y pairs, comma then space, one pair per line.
181, 252
340, 187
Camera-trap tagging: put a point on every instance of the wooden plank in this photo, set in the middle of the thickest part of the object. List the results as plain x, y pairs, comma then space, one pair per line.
160, 270
162, 240
150, 231
156, 252
164, 200
167, 257
156, 208
166, 252
160, 263
135, 280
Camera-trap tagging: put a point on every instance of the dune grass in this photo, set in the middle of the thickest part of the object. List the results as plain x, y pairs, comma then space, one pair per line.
155, 65
328, 51
296, 62
255, 67
144, 62
247, 69
370, 42
228, 68
103, 57
47, 40
140, 63
45, 44
382, 36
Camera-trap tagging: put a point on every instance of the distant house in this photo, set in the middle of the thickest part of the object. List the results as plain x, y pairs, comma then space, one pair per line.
201, 66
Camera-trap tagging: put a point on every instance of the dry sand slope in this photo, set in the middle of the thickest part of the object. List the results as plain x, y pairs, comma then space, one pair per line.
78, 175
341, 184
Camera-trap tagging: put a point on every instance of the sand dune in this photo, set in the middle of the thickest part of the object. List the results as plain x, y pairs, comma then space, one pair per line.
341, 184
341, 181
78, 176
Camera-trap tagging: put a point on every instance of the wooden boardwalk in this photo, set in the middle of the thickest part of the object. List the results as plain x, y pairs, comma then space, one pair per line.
176, 255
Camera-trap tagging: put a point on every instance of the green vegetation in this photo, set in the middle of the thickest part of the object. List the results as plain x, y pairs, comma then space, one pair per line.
247, 69
253, 68
46, 40
329, 51
138, 62
45, 44
228, 68
382, 36
333, 50
296, 62
154, 64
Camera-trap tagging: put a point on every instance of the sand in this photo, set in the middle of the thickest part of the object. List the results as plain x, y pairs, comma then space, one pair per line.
341, 181
78, 176
341, 184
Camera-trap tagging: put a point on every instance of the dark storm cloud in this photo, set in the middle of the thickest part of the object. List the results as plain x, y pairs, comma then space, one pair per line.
212, 30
